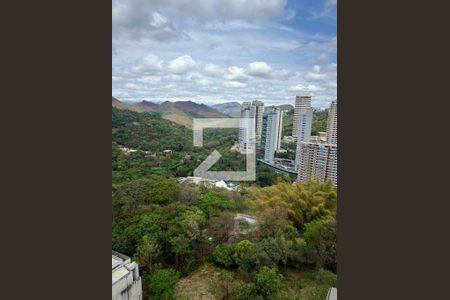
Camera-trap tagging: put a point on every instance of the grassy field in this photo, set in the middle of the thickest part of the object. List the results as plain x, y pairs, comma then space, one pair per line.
210, 282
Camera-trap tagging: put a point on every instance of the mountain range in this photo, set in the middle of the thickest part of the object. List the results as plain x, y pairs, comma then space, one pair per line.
180, 112
232, 109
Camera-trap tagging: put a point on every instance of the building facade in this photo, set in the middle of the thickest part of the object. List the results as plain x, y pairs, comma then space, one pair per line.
250, 134
332, 124
270, 134
280, 129
304, 124
258, 107
247, 137
318, 162
126, 282
302, 103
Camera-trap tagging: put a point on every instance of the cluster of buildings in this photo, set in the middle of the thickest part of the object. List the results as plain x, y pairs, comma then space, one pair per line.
209, 183
315, 158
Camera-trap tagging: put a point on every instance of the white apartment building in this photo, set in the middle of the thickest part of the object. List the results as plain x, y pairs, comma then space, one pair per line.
302, 103
270, 134
332, 124
304, 124
280, 130
247, 137
258, 107
318, 162
250, 134
126, 282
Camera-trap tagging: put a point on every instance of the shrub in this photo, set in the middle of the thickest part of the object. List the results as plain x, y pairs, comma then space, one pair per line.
223, 255
326, 277
162, 283
268, 283
246, 291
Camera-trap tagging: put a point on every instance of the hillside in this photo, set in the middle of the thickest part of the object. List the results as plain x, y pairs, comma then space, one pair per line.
140, 138
148, 131
180, 112
233, 109
285, 107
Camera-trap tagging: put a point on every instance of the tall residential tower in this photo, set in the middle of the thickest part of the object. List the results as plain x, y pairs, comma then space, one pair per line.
302, 103
304, 124
270, 134
332, 124
247, 130
251, 136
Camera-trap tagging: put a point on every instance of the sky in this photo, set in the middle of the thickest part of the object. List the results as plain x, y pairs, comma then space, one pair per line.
216, 51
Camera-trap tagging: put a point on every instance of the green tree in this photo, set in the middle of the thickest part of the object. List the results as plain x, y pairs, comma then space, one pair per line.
303, 202
242, 250
321, 242
223, 255
147, 252
213, 203
163, 191
268, 283
162, 284
183, 231
128, 196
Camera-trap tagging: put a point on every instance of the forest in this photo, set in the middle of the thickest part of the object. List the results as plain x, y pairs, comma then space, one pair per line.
191, 241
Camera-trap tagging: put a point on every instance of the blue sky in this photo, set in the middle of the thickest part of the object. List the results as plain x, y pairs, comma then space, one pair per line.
214, 51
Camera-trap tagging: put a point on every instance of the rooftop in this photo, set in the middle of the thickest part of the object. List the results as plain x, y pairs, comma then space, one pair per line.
120, 265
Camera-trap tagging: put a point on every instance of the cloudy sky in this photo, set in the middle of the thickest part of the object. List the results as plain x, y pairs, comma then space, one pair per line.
214, 51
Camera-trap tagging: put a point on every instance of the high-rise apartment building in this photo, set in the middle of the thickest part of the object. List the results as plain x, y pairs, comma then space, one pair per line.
318, 162
280, 130
258, 107
302, 103
270, 134
332, 124
250, 136
247, 130
304, 124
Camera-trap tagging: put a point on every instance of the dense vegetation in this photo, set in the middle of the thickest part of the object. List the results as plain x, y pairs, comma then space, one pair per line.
186, 237
150, 135
319, 122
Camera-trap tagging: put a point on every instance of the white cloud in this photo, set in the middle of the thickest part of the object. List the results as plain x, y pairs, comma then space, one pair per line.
149, 79
259, 69
133, 20
316, 76
219, 50
212, 70
302, 88
132, 86
226, 9
204, 82
182, 64
236, 74
150, 63
143, 19
234, 84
